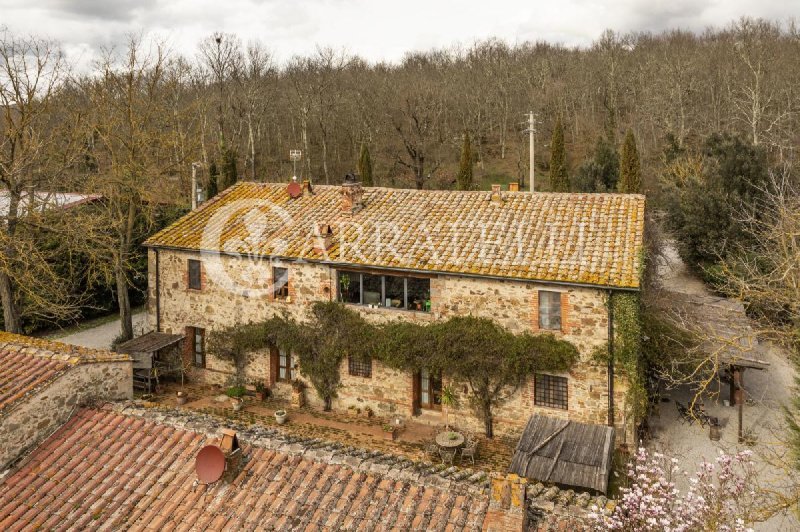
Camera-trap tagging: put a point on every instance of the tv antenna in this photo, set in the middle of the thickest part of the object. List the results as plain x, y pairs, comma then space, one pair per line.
294, 156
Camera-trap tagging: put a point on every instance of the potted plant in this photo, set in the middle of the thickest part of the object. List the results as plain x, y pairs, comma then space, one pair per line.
368, 412
389, 432
280, 417
181, 398
261, 391
449, 402
298, 393
238, 404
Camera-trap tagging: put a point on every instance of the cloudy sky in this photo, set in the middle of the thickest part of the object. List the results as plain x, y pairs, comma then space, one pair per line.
374, 29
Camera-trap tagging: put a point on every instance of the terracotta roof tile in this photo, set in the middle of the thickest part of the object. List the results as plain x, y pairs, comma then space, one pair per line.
110, 484
27, 364
591, 239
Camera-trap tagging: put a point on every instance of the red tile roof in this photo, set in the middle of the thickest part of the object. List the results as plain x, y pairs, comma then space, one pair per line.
594, 239
27, 364
106, 470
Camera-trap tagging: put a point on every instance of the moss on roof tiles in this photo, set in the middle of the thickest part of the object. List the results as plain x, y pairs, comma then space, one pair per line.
573, 238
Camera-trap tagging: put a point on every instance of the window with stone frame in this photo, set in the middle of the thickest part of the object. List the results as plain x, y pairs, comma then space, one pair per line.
549, 310
360, 367
550, 391
280, 283
195, 278
198, 346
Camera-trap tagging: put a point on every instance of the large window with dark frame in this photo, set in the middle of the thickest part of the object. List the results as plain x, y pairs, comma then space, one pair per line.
360, 367
549, 310
388, 291
195, 280
550, 391
280, 283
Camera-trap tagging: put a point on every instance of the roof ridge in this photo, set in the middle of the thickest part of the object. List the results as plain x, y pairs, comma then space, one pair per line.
322, 451
58, 351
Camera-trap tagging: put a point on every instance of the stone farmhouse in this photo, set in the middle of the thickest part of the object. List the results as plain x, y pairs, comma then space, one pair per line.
533, 262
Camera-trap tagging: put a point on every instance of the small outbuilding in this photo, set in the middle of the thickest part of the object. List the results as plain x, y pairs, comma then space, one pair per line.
564, 452
155, 355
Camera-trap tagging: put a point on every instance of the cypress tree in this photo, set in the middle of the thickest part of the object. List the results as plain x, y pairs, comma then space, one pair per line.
212, 189
228, 172
464, 178
630, 169
365, 166
559, 180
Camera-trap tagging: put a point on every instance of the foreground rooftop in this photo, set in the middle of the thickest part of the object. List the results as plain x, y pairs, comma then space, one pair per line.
105, 469
27, 364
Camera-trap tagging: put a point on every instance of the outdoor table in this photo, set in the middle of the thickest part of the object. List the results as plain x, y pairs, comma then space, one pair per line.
444, 439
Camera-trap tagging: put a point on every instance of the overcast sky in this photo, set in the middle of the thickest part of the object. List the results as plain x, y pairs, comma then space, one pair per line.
376, 29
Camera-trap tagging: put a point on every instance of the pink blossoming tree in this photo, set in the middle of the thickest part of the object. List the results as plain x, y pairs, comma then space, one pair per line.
721, 496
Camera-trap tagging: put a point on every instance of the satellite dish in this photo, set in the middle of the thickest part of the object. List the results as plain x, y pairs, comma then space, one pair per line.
209, 464
294, 189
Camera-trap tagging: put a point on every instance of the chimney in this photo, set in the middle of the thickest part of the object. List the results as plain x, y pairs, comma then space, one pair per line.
497, 196
506, 503
513, 186
307, 187
352, 195
323, 238
233, 454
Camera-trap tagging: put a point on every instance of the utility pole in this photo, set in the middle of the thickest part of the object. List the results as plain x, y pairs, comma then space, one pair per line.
194, 184
532, 138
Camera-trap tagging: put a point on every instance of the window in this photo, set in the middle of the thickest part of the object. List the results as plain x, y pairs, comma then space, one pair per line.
280, 283
550, 310
286, 371
198, 346
430, 390
360, 367
350, 287
394, 292
195, 281
550, 391
390, 291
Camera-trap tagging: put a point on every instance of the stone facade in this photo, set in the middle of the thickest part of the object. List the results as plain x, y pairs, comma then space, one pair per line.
33, 417
236, 290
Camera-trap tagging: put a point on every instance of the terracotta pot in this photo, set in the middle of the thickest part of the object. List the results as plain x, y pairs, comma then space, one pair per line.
387, 435
181, 398
280, 417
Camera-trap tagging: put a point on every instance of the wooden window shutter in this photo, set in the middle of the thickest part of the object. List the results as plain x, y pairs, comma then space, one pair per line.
188, 346
535, 313
565, 312
273, 365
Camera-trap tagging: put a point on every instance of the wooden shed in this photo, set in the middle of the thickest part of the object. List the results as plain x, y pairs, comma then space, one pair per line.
154, 355
565, 452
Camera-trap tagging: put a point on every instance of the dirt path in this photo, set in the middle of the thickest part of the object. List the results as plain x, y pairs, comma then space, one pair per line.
725, 322
101, 336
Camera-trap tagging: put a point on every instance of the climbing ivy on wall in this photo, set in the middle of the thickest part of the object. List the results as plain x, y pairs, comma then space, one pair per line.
628, 359
490, 360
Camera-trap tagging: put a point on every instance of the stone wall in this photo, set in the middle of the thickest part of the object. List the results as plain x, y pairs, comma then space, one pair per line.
236, 291
32, 418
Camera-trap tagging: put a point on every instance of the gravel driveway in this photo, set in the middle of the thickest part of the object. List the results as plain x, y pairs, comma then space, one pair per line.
100, 337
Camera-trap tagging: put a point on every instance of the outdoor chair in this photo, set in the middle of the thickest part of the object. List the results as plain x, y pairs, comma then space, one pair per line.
469, 451
432, 450
684, 416
447, 456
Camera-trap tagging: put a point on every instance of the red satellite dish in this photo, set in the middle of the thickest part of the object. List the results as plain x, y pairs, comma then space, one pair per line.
209, 464
294, 189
